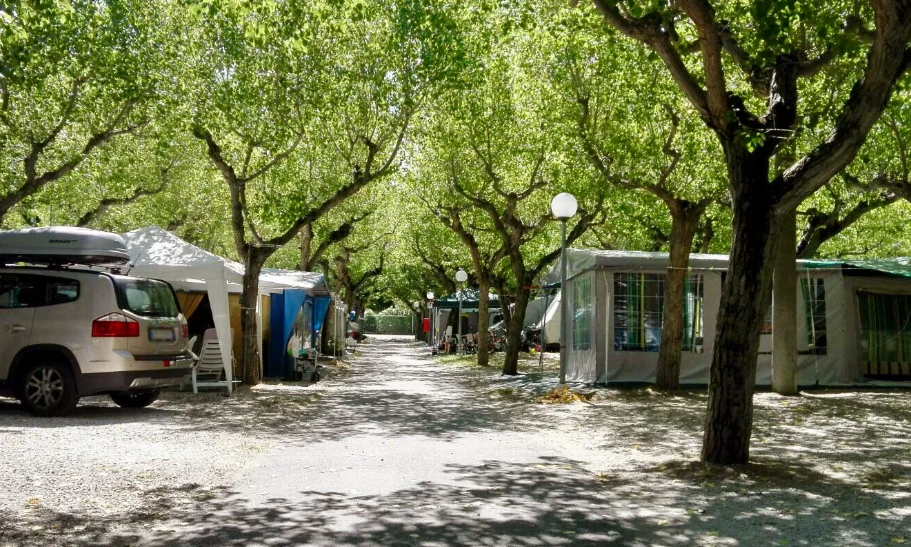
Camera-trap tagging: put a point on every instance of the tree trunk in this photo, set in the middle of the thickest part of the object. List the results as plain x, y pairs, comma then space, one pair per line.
744, 300
483, 320
250, 365
306, 244
514, 330
683, 231
784, 309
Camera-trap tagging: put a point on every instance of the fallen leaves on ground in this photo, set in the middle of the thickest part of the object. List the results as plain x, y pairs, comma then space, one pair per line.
564, 395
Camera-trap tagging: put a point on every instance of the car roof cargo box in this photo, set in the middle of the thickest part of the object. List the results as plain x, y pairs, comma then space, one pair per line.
61, 245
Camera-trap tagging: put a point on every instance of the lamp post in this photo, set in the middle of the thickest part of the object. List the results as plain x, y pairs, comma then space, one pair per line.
460, 277
430, 313
563, 206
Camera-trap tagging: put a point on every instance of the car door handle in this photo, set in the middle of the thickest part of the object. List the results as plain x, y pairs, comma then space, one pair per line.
17, 328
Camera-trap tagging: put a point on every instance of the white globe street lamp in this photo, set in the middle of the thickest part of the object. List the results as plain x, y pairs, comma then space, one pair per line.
460, 277
563, 206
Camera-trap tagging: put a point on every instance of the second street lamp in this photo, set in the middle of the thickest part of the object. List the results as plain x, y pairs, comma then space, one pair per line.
563, 206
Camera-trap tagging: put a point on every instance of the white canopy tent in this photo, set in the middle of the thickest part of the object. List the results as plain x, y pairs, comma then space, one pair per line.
157, 253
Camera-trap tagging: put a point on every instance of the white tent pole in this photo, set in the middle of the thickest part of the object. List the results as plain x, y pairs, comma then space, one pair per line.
217, 286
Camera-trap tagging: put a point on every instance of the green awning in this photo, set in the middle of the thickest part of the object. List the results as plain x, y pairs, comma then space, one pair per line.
470, 300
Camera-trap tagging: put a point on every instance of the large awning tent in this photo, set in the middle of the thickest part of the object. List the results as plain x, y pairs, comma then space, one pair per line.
306, 295
157, 253
854, 318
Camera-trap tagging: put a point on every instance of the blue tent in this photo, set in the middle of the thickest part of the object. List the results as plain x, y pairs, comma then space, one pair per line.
303, 293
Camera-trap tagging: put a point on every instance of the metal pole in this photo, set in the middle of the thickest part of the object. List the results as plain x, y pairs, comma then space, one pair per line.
564, 308
430, 324
459, 319
543, 325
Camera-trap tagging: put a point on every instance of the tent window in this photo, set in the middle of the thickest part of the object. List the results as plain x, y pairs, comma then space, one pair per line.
638, 308
582, 314
813, 291
885, 338
639, 312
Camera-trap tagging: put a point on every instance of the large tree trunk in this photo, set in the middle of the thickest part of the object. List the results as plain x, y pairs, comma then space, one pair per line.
744, 300
784, 309
306, 244
514, 331
483, 320
250, 364
683, 231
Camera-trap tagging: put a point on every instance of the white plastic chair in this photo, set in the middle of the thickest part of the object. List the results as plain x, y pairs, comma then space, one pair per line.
210, 368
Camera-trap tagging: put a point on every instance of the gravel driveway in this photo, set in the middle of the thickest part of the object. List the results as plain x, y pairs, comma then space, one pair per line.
406, 450
107, 471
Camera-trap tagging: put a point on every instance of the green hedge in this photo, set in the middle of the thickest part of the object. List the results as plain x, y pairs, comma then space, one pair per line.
388, 324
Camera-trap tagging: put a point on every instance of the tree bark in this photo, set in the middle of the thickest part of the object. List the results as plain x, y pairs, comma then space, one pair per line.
483, 320
744, 300
251, 372
306, 243
784, 309
514, 330
685, 218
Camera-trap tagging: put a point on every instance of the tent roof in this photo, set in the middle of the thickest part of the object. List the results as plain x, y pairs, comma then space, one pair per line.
312, 282
583, 260
157, 252
898, 266
470, 299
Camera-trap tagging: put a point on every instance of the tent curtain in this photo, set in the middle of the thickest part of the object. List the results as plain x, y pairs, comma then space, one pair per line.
320, 307
189, 301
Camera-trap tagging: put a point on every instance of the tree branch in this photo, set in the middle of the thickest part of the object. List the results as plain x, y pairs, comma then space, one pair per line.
278, 158
649, 29
863, 108
34, 182
107, 203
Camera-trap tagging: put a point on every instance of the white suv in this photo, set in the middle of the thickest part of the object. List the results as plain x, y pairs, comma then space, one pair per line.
67, 333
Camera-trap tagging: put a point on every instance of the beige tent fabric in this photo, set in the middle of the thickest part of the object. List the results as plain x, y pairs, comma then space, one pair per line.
189, 301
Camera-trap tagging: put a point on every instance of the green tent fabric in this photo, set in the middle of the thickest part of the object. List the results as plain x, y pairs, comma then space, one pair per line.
470, 300
900, 266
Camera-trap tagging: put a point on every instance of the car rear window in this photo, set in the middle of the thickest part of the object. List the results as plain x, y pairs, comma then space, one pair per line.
147, 297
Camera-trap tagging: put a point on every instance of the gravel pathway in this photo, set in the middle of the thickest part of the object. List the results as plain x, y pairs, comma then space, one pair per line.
406, 450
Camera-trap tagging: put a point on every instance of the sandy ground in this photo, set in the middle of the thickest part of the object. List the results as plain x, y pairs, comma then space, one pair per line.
402, 449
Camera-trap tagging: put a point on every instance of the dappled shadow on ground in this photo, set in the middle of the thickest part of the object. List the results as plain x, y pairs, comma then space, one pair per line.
829, 468
549, 501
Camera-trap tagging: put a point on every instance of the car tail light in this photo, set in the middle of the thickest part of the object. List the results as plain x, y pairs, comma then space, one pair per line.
184, 329
115, 325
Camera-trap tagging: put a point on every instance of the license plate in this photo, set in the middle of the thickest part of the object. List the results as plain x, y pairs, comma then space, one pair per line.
162, 335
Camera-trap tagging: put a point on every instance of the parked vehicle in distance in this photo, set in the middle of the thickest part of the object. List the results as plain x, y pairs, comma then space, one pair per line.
68, 332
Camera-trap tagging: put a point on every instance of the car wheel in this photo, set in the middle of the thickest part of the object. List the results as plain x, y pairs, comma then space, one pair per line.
48, 389
135, 399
